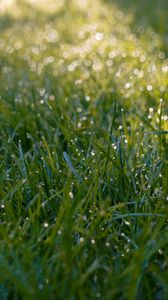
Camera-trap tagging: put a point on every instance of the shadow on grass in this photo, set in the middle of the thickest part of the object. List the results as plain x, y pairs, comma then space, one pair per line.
152, 13
6, 21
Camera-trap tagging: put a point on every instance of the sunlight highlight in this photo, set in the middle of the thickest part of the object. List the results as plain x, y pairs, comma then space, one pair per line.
47, 6
5, 4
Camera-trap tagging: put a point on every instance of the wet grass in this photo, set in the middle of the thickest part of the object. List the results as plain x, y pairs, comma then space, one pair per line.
83, 151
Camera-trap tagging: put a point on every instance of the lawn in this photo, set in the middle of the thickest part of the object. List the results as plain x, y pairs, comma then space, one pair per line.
83, 150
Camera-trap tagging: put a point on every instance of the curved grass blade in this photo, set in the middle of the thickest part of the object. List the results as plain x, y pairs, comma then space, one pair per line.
157, 132
71, 167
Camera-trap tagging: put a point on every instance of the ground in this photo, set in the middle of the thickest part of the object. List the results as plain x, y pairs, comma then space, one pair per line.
83, 149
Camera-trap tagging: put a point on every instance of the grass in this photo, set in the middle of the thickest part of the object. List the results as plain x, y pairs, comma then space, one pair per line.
83, 150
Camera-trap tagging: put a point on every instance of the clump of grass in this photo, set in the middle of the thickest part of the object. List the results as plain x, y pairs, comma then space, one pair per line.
83, 148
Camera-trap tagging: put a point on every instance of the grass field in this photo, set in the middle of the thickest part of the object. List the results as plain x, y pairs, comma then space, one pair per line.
83, 150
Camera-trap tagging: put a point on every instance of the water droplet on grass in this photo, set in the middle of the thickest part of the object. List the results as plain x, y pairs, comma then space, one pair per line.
71, 195
41, 286
79, 109
99, 36
45, 225
149, 88
87, 98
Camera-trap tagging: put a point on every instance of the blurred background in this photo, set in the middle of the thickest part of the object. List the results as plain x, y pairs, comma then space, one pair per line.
73, 48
